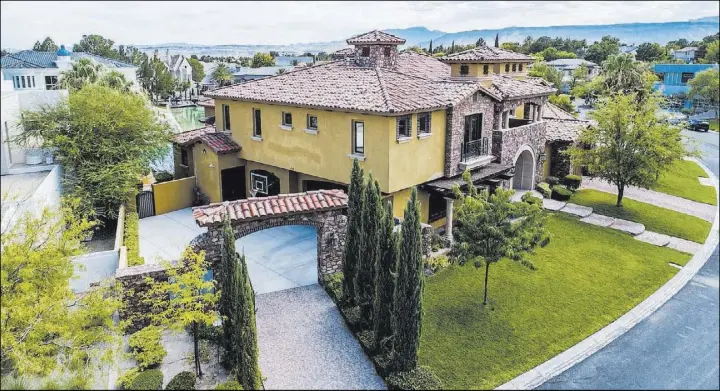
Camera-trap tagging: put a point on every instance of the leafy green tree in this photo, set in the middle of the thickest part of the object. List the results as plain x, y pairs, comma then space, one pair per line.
221, 74
630, 145
623, 74
649, 52
407, 316
480, 42
190, 298
563, 101
547, 72
262, 60
45, 326
97, 45
280, 71
600, 51
550, 54
590, 91
48, 45
105, 138
353, 238
370, 250
82, 72
198, 71
385, 270
511, 46
705, 85
116, 81
712, 52
579, 75
491, 227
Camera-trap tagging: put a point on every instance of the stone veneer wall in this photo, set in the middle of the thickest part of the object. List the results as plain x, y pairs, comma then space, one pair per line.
135, 286
456, 125
377, 56
514, 104
507, 142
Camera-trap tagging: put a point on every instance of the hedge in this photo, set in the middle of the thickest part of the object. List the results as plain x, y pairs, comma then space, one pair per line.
531, 199
544, 189
229, 385
420, 378
572, 181
561, 193
146, 346
333, 286
132, 239
552, 181
152, 379
182, 381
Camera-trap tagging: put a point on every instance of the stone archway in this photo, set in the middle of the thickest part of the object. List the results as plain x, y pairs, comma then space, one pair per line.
524, 178
322, 209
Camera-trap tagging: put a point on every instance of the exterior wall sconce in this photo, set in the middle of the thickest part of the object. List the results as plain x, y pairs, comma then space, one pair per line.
541, 157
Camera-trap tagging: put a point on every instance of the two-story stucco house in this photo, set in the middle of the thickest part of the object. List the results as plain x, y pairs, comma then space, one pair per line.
686, 54
178, 66
409, 119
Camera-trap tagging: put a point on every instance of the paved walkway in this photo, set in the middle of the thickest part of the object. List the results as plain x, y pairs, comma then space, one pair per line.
164, 237
682, 205
304, 344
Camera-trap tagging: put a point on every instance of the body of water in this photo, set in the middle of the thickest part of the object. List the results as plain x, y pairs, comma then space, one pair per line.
189, 117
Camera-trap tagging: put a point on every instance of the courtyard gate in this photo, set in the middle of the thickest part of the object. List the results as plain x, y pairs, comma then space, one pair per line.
145, 204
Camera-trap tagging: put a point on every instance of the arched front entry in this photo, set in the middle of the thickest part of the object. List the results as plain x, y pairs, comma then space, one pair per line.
524, 178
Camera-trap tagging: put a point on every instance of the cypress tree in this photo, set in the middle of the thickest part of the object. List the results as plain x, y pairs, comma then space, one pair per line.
452, 47
244, 339
430, 49
407, 316
385, 281
370, 251
497, 40
228, 286
353, 238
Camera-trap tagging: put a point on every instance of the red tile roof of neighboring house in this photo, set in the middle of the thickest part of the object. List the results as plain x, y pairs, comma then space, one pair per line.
550, 111
510, 88
255, 208
206, 103
375, 36
564, 129
486, 54
220, 142
190, 135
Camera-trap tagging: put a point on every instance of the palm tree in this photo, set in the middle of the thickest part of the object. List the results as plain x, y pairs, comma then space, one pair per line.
116, 80
83, 71
623, 74
221, 75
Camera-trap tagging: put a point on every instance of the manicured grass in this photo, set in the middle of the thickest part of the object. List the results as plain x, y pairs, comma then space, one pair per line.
682, 181
586, 278
714, 125
655, 218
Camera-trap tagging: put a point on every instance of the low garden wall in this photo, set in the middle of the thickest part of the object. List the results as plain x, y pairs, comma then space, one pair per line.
173, 195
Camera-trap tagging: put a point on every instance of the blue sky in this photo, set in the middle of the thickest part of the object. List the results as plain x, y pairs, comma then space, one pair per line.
22, 23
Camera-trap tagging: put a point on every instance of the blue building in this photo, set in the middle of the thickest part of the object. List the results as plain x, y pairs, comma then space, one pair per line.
674, 78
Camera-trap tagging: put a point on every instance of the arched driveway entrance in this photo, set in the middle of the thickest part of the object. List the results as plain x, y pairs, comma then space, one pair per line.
524, 170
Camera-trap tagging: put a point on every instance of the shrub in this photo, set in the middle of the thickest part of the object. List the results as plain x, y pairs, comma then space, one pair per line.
552, 181
229, 385
163, 176
420, 378
333, 284
132, 239
531, 199
561, 193
146, 347
544, 189
437, 241
436, 264
127, 378
152, 379
572, 181
213, 334
182, 381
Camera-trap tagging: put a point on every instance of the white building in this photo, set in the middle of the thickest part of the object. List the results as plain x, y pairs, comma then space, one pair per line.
686, 54
178, 66
568, 65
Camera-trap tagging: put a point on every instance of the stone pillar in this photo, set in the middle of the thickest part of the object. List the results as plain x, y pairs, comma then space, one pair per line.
533, 113
506, 120
449, 218
539, 113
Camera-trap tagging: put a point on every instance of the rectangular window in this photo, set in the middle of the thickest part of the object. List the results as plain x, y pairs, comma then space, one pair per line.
685, 77
50, 82
486, 69
423, 123
16, 82
286, 119
257, 123
226, 117
184, 157
33, 81
387, 52
507, 68
312, 122
520, 67
366, 52
473, 127
464, 70
358, 138
22, 79
404, 127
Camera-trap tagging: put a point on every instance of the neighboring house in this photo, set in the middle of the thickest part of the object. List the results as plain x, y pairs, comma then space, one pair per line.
686, 54
629, 49
409, 119
673, 79
178, 66
244, 74
569, 65
288, 60
343, 53
29, 69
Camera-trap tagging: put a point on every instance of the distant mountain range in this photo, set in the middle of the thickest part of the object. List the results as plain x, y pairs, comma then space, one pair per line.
628, 33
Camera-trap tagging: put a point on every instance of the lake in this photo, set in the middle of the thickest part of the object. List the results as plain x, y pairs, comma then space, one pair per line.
189, 117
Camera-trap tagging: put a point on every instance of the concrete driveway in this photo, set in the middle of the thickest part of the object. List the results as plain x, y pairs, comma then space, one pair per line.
164, 237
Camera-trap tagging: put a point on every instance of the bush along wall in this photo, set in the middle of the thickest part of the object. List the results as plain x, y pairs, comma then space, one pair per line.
132, 238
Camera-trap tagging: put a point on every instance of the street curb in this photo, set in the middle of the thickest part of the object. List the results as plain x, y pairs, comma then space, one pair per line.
585, 348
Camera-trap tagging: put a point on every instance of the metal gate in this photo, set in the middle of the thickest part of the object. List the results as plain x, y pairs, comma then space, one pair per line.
145, 204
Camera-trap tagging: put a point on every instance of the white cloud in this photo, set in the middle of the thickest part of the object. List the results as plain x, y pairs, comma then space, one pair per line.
22, 23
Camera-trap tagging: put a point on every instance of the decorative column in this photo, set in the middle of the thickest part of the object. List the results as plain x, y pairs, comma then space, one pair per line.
539, 113
506, 120
448, 218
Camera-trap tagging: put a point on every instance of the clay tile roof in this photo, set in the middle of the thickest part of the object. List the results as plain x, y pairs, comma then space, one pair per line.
189, 136
422, 65
564, 130
220, 142
486, 54
344, 52
375, 36
510, 88
550, 111
206, 103
275, 206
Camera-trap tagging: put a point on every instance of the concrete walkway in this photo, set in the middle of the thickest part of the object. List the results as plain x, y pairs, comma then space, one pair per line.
304, 344
164, 237
682, 205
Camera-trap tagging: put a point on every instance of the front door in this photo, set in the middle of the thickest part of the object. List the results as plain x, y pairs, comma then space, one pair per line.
233, 183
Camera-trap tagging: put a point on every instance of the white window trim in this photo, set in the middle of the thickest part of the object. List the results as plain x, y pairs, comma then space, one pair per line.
404, 139
356, 156
256, 138
285, 127
423, 136
311, 131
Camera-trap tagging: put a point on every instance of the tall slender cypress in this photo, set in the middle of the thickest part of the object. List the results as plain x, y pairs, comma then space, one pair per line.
430, 50
245, 334
385, 281
369, 250
353, 238
497, 40
407, 316
228, 286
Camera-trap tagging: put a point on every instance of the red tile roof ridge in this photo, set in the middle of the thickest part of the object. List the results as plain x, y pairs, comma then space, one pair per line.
383, 89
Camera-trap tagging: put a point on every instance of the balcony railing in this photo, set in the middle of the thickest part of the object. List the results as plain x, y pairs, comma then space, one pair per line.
474, 149
517, 122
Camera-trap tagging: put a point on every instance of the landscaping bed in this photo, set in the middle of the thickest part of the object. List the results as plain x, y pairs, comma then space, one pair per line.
682, 181
586, 278
655, 218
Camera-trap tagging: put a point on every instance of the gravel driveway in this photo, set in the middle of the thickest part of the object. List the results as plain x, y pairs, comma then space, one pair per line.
304, 343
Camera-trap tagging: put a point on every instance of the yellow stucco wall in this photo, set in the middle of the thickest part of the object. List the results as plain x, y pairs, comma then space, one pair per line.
282, 174
207, 172
546, 164
173, 195
476, 70
400, 200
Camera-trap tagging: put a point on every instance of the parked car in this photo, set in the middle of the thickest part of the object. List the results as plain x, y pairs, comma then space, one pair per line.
699, 126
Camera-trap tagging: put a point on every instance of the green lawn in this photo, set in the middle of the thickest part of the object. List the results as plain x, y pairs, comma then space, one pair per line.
682, 181
586, 278
655, 218
714, 125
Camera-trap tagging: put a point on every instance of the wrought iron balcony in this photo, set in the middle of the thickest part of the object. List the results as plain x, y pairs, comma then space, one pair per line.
474, 149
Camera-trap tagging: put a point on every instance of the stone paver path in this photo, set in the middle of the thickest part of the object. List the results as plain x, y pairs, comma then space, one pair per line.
596, 219
682, 205
683, 245
304, 344
630, 227
577, 210
654, 238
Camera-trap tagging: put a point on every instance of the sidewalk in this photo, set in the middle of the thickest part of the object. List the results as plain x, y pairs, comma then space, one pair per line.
682, 205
